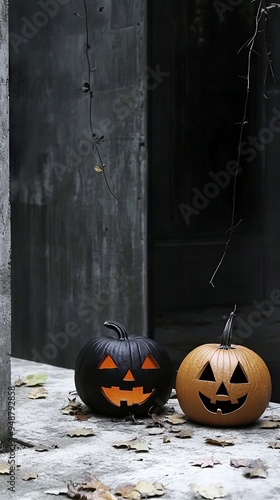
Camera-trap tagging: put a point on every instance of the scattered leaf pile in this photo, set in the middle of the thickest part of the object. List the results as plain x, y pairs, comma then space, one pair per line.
34, 380
93, 489
172, 423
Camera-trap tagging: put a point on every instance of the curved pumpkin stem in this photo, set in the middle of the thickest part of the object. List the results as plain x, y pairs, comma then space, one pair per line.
118, 328
227, 333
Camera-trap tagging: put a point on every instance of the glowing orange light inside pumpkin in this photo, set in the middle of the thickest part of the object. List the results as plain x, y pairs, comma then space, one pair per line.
136, 395
107, 362
150, 363
128, 376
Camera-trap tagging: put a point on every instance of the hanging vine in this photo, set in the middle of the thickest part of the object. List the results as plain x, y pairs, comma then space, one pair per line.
261, 17
87, 88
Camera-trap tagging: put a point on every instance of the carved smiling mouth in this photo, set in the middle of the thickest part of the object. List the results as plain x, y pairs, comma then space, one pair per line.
135, 396
223, 407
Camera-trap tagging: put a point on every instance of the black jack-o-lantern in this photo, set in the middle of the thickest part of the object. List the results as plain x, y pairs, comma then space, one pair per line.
123, 375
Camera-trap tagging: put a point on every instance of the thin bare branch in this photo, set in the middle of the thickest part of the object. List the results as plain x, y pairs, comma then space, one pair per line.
250, 43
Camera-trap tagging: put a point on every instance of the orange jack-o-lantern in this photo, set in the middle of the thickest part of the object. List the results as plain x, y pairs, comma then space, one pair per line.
124, 375
226, 385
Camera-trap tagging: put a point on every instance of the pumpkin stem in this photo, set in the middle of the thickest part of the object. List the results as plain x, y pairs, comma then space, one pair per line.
118, 328
227, 333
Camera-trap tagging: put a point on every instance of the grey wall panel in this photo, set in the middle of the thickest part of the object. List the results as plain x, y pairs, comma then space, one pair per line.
79, 254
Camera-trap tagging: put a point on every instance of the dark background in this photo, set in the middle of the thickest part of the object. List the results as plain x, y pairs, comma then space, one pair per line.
195, 118
71, 240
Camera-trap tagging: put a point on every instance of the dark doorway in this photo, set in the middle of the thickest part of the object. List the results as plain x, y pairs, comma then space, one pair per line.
195, 115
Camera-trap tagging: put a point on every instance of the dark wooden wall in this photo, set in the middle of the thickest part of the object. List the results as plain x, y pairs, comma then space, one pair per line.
79, 255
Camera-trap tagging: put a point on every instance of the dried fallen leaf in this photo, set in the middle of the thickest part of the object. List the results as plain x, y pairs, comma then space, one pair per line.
99, 495
36, 379
92, 483
39, 393
175, 429
173, 394
81, 416
135, 444
81, 432
239, 462
176, 419
156, 420
124, 491
256, 472
185, 433
57, 491
18, 382
131, 418
220, 442
71, 408
45, 448
211, 491
165, 439
5, 468
274, 444
254, 468
134, 495
147, 489
98, 169
73, 491
246, 462
203, 462
41, 449
255, 463
274, 418
155, 430
270, 424
28, 476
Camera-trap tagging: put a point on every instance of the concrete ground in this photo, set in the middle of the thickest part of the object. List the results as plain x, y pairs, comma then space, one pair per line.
41, 424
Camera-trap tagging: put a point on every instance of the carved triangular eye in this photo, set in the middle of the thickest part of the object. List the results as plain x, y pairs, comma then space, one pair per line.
238, 376
107, 362
207, 373
150, 363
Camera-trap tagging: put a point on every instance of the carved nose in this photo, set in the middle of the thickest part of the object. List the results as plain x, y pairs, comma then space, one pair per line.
128, 376
222, 391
